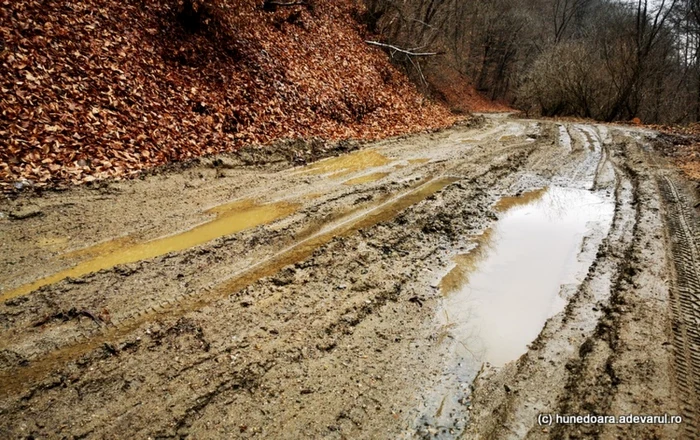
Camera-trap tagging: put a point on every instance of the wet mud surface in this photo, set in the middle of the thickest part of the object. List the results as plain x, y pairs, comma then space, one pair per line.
446, 285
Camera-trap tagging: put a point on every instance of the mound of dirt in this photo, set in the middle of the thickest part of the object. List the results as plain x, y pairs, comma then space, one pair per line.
105, 88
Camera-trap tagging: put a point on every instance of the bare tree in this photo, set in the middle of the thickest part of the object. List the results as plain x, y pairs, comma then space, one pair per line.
648, 25
606, 59
564, 12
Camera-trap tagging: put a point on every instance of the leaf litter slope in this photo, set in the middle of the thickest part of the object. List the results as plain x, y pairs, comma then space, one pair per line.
101, 88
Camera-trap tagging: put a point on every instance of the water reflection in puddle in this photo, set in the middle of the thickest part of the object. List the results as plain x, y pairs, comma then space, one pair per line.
499, 295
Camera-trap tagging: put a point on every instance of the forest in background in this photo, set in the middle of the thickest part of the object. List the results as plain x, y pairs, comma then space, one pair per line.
601, 59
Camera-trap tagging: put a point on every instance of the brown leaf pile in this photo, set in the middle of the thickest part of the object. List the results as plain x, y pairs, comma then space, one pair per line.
105, 88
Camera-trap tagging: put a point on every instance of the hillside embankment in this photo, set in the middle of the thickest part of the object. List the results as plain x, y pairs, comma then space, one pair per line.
101, 88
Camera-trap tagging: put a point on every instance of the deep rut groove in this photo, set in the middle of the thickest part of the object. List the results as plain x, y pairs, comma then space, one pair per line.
685, 301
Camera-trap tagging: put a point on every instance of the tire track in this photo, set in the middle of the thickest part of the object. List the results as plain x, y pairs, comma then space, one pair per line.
191, 300
685, 304
381, 210
228, 378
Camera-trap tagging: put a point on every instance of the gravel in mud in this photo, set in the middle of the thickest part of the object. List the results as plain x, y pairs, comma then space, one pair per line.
319, 315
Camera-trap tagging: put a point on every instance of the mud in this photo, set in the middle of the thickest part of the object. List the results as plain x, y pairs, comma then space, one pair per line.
256, 295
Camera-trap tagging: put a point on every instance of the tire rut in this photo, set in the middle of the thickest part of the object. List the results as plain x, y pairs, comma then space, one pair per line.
685, 301
192, 300
54, 363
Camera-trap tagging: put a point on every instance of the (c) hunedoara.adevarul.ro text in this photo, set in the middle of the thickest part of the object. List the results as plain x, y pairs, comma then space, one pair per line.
595, 419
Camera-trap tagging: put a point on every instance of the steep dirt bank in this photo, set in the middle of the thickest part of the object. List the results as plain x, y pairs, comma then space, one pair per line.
104, 88
317, 312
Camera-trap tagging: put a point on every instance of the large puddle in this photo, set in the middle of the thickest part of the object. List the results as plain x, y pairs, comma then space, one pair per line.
230, 219
498, 296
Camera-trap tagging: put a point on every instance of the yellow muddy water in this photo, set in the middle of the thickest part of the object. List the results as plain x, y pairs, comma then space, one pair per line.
349, 163
303, 249
230, 218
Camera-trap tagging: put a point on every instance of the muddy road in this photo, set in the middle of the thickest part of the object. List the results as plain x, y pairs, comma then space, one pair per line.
448, 285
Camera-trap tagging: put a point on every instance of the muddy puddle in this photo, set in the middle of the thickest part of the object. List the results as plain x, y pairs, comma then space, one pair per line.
343, 165
498, 296
230, 219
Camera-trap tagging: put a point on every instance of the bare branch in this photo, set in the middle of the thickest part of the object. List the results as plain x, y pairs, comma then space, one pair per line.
403, 51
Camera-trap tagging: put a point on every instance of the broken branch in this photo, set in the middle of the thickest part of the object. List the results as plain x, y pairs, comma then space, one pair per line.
404, 51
